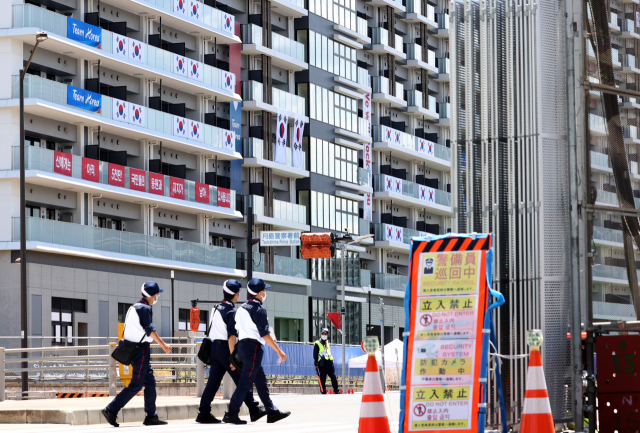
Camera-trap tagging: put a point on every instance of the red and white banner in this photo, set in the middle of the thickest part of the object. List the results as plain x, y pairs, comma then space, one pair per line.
62, 163
176, 188
367, 207
366, 111
156, 183
202, 192
116, 175
91, 169
368, 160
224, 197
137, 180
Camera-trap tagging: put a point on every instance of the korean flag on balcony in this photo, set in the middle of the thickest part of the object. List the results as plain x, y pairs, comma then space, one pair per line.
195, 10
229, 81
196, 131
281, 138
137, 115
195, 71
422, 194
136, 50
298, 132
228, 139
179, 65
180, 7
120, 110
431, 195
180, 126
120, 45
387, 134
228, 23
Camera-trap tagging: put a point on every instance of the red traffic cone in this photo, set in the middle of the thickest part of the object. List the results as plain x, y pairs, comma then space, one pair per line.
373, 414
536, 414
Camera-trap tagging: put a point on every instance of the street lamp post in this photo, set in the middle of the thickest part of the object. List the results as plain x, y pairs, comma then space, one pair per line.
40, 37
343, 251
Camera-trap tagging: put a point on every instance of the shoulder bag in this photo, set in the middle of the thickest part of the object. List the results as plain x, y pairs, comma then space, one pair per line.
126, 350
204, 353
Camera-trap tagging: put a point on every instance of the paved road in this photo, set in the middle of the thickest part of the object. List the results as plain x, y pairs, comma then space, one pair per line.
337, 414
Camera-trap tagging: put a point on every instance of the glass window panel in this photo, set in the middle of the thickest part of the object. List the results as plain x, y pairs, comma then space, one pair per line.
345, 223
350, 206
312, 49
325, 105
343, 169
331, 159
332, 97
314, 208
313, 154
329, 7
325, 158
324, 52
312, 102
326, 210
332, 213
346, 70
318, 101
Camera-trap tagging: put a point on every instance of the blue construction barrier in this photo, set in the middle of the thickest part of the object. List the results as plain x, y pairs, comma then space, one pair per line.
300, 360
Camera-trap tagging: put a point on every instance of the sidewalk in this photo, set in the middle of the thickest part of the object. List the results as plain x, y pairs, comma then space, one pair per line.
86, 411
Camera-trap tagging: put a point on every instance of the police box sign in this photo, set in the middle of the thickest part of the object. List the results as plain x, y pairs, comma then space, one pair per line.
280, 239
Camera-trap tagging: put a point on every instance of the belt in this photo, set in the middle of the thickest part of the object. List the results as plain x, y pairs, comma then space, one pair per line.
252, 340
221, 340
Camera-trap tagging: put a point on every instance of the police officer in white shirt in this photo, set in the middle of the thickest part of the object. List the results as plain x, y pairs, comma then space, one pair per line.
253, 331
223, 334
138, 325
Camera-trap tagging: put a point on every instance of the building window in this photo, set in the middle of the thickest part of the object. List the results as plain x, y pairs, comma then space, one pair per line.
287, 329
184, 320
32, 211
318, 310
332, 56
333, 160
334, 213
122, 311
62, 310
328, 270
333, 108
341, 12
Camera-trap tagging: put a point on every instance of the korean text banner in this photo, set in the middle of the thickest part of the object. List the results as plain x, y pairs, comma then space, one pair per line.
446, 299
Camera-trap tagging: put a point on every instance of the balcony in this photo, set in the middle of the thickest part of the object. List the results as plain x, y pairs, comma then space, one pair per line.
600, 162
395, 4
290, 8
356, 28
630, 134
416, 106
80, 240
629, 30
254, 156
411, 194
50, 99
597, 125
285, 53
609, 274
359, 80
415, 60
613, 22
390, 236
608, 237
628, 102
610, 311
391, 282
436, 155
284, 266
444, 112
443, 26
381, 92
80, 174
357, 180
629, 64
151, 63
444, 68
380, 43
285, 215
615, 58
252, 94
416, 14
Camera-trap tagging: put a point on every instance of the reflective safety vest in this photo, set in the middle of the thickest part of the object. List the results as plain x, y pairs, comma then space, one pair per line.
324, 351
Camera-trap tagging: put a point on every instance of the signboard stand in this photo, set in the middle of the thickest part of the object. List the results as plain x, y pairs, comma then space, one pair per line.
448, 310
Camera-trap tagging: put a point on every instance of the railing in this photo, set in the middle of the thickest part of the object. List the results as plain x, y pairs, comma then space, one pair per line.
599, 159
363, 76
629, 60
283, 210
290, 267
27, 15
443, 21
252, 34
254, 148
410, 189
365, 278
414, 52
609, 235
628, 26
411, 142
252, 91
361, 26
614, 19
414, 7
627, 131
381, 85
613, 311
610, 272
300, 3
596, 122
444, 109
390, 281
81, 236
152, 120
391, 233
364, 227
37, 158
363, 176
414, 99
607, 197
615, 56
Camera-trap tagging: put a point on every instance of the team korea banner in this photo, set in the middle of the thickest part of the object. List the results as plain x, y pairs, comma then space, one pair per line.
137, 179
298, 132
116, 175
281, 138
156, 183
62, 163
447, 306
176, 188
202, 192
90, 169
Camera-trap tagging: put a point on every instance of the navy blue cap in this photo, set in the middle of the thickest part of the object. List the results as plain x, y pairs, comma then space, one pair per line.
231, 286
324, 331
150, 288
256, 285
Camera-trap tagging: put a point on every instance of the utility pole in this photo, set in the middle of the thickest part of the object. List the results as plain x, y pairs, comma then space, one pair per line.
369, 326
173, 306
343, 253
382, 308
249, 243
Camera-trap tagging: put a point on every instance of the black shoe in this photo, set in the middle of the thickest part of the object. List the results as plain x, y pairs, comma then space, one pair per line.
110, 417
255, 416
154, 420
277, 416
207, 418
339, 391
232, 419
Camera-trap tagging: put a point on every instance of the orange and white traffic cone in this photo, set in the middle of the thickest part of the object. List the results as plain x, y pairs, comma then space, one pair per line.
373, 414
536, 414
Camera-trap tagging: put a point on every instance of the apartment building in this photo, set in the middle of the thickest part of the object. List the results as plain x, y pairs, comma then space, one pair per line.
153, 127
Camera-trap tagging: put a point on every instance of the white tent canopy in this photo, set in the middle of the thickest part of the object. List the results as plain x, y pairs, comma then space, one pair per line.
393, 355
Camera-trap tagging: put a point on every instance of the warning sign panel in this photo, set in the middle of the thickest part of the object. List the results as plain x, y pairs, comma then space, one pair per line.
444, 362
446, 317
434, 408
449, 272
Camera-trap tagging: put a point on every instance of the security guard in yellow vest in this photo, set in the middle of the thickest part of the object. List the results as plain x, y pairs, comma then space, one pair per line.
323, 361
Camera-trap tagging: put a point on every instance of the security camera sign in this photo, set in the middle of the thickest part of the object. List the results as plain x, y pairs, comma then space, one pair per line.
280, 239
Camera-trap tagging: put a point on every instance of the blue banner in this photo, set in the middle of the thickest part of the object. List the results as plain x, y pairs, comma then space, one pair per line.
235, 124
84, 99
84, 33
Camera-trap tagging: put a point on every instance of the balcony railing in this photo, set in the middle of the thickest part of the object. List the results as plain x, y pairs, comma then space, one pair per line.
363, 176
381, 85
391, 233
596, 122
37, 158
252, 34
414, 6
444, 65
613, 311
629, 131
386, 183
113, 241
629, 60
291, 267
628, 26
26, 15
609, 235
414, 52
411, 142
152, 120
599, 159
361, 26
610, 272
364, 227
390, 281
380, 35
252, 91
443, 21
254, 148
615, 56
363, 76
414, 99
444, 109
282, 210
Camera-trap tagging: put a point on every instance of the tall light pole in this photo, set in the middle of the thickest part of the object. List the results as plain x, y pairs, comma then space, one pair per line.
343, 253
40, 37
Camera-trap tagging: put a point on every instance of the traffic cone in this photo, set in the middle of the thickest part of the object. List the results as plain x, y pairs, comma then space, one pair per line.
373, 414
536, 415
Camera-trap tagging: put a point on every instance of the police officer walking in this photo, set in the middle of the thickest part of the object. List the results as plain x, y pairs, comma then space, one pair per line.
323, 361
253, 331
138, 326
223, 334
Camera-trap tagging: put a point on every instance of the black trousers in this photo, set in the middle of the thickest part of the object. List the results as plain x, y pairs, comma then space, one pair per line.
327, 369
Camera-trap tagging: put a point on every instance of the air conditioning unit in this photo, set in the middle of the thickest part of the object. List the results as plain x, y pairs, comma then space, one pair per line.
233, 244
180, 234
